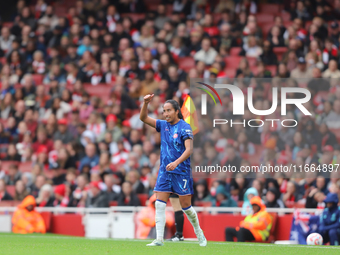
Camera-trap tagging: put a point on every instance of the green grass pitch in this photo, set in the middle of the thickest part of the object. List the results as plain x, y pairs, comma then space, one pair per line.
56, 244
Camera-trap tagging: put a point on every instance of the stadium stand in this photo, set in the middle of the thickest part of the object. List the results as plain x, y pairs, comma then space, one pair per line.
69, 79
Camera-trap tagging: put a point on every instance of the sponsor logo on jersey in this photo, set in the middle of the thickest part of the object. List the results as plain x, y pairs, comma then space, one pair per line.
175, 136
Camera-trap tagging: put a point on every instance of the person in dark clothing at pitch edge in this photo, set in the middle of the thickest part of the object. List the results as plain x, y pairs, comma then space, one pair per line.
329, 226
96, 198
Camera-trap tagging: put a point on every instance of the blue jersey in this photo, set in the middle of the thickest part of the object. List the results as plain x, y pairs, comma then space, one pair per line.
172, 145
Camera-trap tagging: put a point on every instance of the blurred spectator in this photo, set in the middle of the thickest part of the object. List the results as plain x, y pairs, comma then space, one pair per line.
62, 133
251, 48
321, 184
95, 197
4, 196
332, 71
127, 197
6, 39
12, 153
91, 158
78, 196
207, 54
13, 175
109, 181
133, 177
26, 220
272, 199
315, 199
248, 195
46, 196
223, 199
291, 194
201, 192
20, 191
301, 72
268, 57
62, 195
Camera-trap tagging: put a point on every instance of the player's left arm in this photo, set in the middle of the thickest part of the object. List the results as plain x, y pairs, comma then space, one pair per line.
188, 143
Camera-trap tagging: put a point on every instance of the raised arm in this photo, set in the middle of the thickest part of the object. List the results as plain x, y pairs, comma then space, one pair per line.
144, 112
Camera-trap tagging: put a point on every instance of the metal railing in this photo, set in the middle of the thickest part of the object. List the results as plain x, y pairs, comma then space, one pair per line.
212, 210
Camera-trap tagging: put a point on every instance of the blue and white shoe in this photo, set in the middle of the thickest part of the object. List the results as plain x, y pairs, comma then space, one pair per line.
156, 242
201, 238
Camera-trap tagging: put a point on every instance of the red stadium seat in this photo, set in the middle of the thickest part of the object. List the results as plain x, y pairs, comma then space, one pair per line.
263, 18
279, 51
60, 11
266, 29
11, 190
8, 24
25, 167
235, 51
134, 16
6, 164
152, 4
142, 198
9, 203
38, 79
252, 61
101, 90
186, 63
285, 16
230, 72
287, 23
232, 62
239, 203
272, 69
269, 8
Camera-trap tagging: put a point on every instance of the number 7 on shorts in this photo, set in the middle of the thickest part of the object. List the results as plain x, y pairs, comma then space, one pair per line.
185, 183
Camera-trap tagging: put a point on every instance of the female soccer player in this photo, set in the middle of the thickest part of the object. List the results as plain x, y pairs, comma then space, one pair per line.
174, 175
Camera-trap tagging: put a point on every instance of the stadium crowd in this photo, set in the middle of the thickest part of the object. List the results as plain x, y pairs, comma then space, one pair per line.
72, 85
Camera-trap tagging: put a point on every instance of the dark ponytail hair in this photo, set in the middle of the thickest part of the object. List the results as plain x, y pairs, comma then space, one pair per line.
175, 105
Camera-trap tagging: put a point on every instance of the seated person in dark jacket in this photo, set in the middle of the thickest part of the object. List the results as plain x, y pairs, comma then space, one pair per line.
110, 184
134, 178
127, 197
314, 198
272, 199
329, 226
4, 196
13, 175
268, 57
95, 197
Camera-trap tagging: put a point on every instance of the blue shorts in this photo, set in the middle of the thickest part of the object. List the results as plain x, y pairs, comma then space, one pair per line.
181, 185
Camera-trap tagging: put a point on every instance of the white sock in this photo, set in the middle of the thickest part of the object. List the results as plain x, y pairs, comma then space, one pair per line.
160, 219
192, 216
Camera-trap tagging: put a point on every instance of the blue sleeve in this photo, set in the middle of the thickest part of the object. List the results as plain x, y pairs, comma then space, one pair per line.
333, 226
186, 133
81, 165
158, 125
